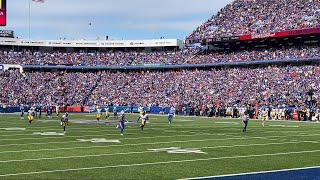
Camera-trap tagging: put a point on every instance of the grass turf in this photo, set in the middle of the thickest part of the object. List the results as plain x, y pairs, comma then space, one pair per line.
223, 147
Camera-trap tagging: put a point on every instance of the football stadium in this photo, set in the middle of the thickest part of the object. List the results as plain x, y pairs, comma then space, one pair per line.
237, 98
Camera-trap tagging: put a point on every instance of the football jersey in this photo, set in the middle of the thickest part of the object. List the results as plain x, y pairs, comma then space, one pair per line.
143, 117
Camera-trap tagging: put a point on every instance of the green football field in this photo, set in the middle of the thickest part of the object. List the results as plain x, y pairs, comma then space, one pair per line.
190, 147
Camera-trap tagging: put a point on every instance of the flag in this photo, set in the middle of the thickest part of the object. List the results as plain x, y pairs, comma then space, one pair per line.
40, 1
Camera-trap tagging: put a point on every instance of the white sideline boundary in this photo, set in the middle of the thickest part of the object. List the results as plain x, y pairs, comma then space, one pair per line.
258, 172
141, 152
156, 163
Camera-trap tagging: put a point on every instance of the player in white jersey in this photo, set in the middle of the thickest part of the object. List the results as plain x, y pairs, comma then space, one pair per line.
140, 110
245, 119
317, 115
144, 117
64, 122
30, 115
171, 114
98, 115
57, 110
107, 113
264, 115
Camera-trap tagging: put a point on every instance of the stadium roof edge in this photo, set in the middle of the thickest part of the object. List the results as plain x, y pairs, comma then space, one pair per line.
93, 43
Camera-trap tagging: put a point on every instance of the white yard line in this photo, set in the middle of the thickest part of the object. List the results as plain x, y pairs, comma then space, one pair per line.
65, 142
121, 145
165, 142
65, 136
100, 133
115, 134
141, 152
156, 163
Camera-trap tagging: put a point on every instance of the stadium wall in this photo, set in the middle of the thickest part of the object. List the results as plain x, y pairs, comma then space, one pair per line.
295, 61
127, 109
78, 109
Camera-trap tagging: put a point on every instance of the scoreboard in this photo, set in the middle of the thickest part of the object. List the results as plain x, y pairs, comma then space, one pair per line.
3, 12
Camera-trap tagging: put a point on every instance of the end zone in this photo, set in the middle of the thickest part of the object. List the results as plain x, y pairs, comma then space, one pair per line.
310, 173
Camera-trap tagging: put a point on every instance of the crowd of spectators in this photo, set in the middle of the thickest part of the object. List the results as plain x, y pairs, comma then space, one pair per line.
276, 86
185, 56
259, 16
45, 88
273, 85
117, 58
256, 55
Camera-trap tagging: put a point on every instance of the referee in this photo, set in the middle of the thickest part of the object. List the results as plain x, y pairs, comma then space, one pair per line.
245, 120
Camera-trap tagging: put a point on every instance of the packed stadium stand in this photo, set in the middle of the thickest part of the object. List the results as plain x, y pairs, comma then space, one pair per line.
46, 87
118, 58
185, 56
273, 70
259, 16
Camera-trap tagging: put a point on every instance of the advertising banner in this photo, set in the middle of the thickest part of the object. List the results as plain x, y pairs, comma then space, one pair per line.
3, 12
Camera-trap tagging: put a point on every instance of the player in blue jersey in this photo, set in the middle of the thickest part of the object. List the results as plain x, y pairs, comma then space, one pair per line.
171, 114
22, 111
39, 109
115, 113
121, 122
49, 111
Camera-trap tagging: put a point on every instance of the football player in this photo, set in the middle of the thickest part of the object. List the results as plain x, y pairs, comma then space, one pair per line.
98, 115
22, 111
115, 113
264, 114
121, 122
57, 110
30, 116
107, 113
144, 117
171, 114
64, 121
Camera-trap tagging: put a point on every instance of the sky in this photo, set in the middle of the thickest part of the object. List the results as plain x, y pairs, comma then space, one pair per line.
117, 19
